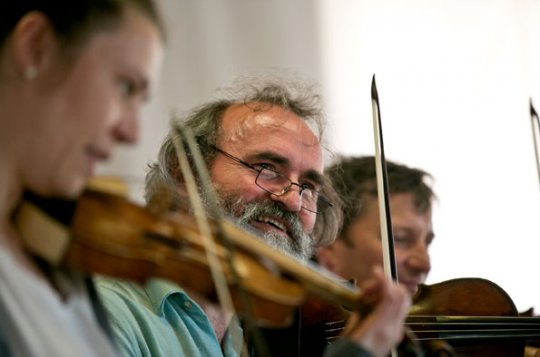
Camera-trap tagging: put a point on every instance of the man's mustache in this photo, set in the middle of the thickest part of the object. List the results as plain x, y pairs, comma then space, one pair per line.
300, 244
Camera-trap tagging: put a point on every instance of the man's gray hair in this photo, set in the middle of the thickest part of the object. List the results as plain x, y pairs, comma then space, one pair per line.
204, 122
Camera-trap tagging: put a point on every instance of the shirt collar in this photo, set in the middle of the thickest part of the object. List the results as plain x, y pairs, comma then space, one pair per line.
159, 290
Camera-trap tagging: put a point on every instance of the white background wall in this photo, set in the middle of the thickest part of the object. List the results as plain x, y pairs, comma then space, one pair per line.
454, 80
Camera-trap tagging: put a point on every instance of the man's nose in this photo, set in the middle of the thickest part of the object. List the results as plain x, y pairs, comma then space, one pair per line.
419, 259
291, 199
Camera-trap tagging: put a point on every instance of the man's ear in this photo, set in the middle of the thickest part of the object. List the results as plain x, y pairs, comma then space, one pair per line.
34, 43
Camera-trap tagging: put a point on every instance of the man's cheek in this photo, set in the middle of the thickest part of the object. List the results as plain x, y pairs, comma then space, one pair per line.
308, 223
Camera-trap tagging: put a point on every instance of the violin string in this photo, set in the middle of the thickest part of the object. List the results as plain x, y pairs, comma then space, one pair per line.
486, 327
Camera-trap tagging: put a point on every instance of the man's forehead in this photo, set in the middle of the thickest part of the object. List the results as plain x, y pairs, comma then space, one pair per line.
255, 129
242, 120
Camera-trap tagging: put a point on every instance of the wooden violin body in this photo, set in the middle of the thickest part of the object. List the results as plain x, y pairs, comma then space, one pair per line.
108, 235
475, 316
465, 317
105, 234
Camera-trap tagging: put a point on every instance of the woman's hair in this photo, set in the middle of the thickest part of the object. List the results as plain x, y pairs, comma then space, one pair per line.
75, 21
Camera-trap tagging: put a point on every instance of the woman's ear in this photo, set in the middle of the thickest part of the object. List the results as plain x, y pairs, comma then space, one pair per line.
34, 42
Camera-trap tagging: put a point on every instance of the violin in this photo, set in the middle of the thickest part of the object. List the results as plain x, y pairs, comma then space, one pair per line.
105, 234
476, 316
463, 317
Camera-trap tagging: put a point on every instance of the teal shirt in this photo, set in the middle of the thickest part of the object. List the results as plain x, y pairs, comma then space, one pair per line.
160, 319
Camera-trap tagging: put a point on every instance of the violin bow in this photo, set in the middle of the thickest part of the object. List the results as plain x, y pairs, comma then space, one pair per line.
200, 216
535, 122
186, 137
387, 236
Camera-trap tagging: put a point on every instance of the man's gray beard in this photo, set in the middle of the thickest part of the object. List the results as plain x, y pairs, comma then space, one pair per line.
299, 244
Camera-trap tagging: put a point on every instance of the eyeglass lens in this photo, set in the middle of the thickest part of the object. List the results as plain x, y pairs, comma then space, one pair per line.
277, 184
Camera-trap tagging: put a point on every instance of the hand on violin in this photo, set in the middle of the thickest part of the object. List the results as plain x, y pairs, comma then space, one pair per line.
383, 328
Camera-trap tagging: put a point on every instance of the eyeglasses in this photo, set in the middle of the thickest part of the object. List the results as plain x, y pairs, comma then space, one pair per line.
275, 183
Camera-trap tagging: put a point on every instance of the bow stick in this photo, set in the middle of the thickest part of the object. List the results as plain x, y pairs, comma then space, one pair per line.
185, 137
535, 122
387, 236
389, 258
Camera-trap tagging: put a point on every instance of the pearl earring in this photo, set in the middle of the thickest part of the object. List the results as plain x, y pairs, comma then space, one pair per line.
30, 73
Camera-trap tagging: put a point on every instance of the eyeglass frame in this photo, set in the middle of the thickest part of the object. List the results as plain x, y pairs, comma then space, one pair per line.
286, 189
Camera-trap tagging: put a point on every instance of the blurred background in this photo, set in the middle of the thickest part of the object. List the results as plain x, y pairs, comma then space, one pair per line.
454, 80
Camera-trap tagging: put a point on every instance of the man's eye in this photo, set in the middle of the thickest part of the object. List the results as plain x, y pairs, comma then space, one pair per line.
263, 166
402, 240
267, 168
266, 172
310, 186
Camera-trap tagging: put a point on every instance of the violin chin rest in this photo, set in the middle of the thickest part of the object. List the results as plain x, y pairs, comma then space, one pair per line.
108, 184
